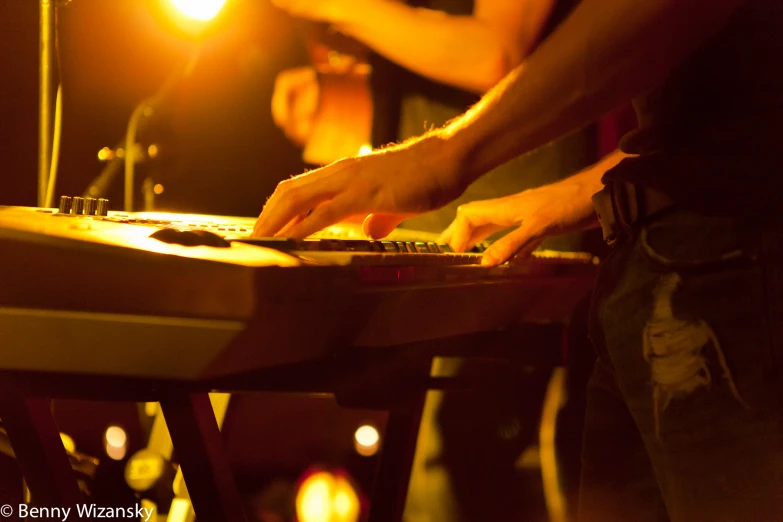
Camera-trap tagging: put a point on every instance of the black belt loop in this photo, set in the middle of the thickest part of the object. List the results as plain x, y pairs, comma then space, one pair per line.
620, 205
603, 202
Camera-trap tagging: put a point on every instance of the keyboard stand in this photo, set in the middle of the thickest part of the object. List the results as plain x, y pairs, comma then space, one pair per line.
196, 437
160, 442
392, 379
39, 449
392, 476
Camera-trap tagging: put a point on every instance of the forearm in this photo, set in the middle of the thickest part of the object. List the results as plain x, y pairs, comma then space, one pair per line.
462, 51
577, 190
607, 52
589, 178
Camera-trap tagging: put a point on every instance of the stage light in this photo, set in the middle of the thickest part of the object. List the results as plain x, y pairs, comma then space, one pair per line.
202, 10
344, 504
115, 442
325, 497
144, 469
313, 502
366, 440
105, 154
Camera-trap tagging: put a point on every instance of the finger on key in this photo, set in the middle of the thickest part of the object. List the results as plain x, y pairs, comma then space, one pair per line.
323, 216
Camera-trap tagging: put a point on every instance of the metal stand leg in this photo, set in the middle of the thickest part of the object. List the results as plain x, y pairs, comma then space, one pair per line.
39, 450
396, 461
197, 441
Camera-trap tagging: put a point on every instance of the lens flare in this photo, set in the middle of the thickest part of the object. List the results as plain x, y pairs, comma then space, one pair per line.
202, 10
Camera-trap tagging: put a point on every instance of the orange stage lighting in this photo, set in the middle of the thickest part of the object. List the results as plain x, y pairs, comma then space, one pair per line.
327, 497
202, 10
195, 18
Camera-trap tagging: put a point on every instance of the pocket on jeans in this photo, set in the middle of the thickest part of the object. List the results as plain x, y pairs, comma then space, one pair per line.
683, 240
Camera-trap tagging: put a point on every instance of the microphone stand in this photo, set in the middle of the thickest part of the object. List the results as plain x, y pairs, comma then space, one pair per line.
46, 38
141, 115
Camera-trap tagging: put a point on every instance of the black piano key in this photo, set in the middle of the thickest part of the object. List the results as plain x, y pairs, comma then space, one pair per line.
389, 246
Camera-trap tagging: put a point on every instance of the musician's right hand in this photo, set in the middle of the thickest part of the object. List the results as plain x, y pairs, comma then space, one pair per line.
294, 103
536, 213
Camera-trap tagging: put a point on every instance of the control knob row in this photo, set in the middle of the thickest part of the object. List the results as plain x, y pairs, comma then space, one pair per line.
84, 206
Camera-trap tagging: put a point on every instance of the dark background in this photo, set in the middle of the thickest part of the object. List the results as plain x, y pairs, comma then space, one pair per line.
223, 155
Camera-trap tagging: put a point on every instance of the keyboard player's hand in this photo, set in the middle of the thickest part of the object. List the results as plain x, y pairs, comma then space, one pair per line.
386, 186
537, 213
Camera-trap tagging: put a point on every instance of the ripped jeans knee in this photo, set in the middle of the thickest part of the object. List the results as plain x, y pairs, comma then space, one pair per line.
670, 302
675, 350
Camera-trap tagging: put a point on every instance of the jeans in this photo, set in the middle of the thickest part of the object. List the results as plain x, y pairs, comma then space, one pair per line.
683, 415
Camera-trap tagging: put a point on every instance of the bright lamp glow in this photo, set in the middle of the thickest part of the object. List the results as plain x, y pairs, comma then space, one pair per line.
324, 497
366, 440
199, 9
115, 442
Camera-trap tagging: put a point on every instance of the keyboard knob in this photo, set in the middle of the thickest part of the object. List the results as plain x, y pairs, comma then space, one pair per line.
89, 206
103, 207
77, 207
65, 205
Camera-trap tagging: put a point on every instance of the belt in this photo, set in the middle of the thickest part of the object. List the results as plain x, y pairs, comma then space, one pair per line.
621, 205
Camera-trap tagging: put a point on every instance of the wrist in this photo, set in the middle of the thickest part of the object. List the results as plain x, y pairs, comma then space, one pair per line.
438, 156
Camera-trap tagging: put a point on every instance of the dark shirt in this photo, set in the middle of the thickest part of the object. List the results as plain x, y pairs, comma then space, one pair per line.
407, 105
710, 135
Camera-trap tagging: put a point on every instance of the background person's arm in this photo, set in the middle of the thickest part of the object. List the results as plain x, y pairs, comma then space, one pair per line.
469, 52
